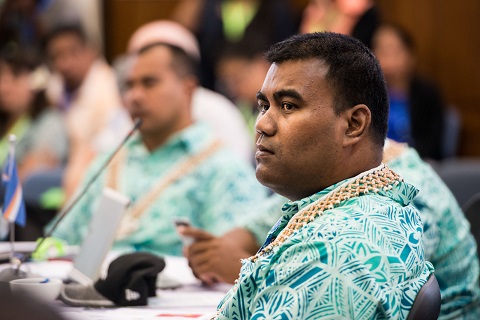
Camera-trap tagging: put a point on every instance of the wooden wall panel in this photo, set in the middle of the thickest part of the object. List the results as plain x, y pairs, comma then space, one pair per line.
447, 34
123, 17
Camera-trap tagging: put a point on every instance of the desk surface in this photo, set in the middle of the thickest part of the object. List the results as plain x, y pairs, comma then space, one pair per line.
188, 300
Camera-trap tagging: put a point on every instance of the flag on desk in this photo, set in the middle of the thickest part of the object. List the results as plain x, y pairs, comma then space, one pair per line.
13, 205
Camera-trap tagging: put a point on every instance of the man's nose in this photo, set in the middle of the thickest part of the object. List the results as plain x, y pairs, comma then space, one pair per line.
132, 95
266, 124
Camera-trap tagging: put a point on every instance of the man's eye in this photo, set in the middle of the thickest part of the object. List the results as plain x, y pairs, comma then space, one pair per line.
148, 83
287, 106
262, 107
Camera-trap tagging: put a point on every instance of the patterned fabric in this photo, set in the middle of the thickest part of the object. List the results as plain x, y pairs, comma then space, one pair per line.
215, 195
269, 213
448, 242
361, 260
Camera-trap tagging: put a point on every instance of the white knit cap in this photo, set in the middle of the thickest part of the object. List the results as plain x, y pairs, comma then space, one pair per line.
164, 31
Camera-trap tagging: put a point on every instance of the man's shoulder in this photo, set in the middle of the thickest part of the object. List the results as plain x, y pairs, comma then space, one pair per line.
433, 194
369, 219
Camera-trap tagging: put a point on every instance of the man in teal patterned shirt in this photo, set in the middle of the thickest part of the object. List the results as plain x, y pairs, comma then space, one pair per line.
173, 167
348, 244
449, 245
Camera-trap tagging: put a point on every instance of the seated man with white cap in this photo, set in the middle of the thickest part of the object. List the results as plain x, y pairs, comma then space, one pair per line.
174, 166
207, 106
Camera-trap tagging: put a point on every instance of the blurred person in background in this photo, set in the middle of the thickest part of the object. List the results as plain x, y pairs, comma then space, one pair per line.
27, 21
416, 106
85, 90
25, 112
173, 166
20, 23
41, 143
318, 16
240, 71
207, 106
217, 23
357, 18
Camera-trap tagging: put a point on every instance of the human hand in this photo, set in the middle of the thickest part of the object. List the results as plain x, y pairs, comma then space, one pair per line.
213, 259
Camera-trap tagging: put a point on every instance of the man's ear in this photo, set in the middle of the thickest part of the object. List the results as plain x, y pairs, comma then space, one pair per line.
191, 83
358, 118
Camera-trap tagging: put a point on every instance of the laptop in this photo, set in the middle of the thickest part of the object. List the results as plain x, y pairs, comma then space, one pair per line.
87, 264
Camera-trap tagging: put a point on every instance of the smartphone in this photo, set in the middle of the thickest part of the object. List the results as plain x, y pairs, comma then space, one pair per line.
181, 222
184, 222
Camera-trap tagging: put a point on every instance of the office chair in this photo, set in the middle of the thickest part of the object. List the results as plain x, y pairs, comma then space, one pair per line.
452, 123
472, 213
427, 303
462, 177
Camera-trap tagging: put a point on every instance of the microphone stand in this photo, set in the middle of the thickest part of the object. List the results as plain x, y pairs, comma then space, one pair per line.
74, 201
12, 273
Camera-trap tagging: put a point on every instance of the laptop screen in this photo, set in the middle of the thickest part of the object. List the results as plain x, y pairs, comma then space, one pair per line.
99, 239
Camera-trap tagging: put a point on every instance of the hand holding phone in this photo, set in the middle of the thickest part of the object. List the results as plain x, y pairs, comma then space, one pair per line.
184, 222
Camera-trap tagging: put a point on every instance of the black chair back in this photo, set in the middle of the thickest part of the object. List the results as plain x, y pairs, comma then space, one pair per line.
428, 301
462, 177
472, 213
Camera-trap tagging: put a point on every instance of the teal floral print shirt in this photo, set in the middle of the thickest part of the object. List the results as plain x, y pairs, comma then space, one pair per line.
215, 195
449, 244
360, 260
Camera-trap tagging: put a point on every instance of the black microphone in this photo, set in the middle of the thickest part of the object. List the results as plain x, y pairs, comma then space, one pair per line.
71, 205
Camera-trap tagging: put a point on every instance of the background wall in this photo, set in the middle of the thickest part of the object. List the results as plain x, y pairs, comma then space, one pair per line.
447, 34
123, 17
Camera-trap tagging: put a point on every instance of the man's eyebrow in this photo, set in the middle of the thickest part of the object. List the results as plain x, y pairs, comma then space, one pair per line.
148, 77
278, 95
287, 93
261, 96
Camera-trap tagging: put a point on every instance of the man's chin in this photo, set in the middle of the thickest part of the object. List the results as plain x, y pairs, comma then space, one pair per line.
145, 130
72, 84
264, 176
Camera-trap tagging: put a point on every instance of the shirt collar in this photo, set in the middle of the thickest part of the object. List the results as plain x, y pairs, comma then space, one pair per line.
191, 139
402, 193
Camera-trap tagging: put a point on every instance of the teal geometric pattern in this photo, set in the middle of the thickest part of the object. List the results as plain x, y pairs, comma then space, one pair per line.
216, 195
361, 260
449, 244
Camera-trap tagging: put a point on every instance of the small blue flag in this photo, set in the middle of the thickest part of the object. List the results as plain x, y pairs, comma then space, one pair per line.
13, 205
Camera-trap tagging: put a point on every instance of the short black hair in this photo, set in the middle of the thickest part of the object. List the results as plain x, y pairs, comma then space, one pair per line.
74, 29
354, 73
22, 60
182, 63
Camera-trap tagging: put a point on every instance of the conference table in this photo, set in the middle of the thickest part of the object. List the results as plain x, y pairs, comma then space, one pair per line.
179, 295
